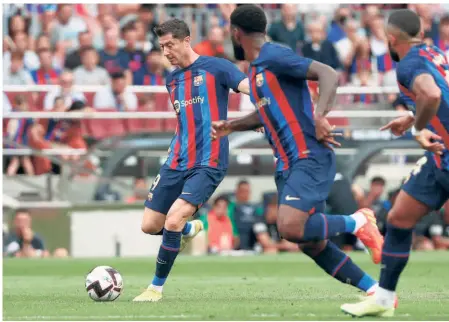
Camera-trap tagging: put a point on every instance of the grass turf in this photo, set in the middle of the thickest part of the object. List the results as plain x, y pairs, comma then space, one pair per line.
284, 287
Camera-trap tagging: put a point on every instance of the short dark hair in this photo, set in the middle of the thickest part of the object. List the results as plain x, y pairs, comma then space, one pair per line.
176, 27
242, 182
407, 21
220, 198
154, 50
82, 33
86, 49
117, 74
250, 18
22, 210
378, 179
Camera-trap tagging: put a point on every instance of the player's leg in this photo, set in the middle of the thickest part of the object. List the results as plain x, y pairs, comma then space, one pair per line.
337, 264
305, 187
419, 195
199, 186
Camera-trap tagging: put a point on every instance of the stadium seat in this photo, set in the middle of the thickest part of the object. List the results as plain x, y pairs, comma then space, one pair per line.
101, 129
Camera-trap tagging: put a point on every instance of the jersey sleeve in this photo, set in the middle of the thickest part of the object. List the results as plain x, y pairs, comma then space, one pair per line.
410, 68
231, 76
289, 63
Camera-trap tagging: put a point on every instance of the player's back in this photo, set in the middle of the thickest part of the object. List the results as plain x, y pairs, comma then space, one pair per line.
199, 94
423, 59
280, 92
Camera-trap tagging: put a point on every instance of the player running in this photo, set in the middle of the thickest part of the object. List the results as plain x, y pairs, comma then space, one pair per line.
422, 76
299, 137
199, 90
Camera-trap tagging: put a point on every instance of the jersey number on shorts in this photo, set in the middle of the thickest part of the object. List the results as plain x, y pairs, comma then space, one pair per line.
417, 168
155, 182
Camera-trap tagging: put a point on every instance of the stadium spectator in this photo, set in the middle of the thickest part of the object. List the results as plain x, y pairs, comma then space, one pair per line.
289, 30
46, 74
147, 17
441, 40
369, 14
219, 228
371, 199
428, 23
109, 56
153, 72
45, 21
382, 212
347, 46
73, 60
6, 104
337, 26
318, 48
267, 233
213, 45
67, 28
130, 57
245, 215
17, 24
54, 133
16, 74
117, 96
22, 241
65, 90
89, 73
17, 132
140, 192
20, 44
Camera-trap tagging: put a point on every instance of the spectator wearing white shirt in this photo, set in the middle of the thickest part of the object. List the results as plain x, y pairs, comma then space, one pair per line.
65, 90
117, 96
89, 73
67, 28
16, 74
20, 44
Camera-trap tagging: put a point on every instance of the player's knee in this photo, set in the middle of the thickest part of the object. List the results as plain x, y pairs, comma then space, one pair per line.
290, 228
400, 220
151, 228
313, 249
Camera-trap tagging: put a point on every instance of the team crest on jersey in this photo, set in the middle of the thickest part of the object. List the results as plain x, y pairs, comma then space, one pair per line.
177, 106
198, 80
259, 80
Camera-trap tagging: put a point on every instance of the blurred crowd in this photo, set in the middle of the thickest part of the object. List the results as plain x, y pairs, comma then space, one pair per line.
114, 46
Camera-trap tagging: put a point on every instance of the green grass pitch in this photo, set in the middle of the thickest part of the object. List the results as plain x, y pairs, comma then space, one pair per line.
284, 287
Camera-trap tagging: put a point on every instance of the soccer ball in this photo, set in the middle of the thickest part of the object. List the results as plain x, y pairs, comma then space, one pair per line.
104, 283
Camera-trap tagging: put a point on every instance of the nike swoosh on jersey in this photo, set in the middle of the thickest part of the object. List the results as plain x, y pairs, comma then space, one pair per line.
289, 198
185, 193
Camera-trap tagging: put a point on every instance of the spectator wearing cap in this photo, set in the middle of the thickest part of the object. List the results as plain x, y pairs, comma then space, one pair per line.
441, 39
318, 48
73, 60
65, 90
16, 74
213, 45
289, 30
89, 73
153, 72
67, 28
20, 44
117, 96
109, 56
46, 74
130, 57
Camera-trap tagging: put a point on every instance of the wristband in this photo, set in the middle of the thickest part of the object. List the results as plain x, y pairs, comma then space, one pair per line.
415, 132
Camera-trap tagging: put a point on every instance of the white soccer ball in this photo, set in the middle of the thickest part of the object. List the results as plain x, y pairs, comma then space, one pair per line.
104, 283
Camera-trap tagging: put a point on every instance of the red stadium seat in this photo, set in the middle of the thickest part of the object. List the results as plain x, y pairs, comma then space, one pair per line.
101, 129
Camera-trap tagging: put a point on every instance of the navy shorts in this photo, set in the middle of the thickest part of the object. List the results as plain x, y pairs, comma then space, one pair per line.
427, 183
195, 186
306, 185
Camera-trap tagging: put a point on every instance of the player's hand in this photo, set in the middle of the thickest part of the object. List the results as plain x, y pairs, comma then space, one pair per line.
400, 125
219, 129
426, 138
324, 132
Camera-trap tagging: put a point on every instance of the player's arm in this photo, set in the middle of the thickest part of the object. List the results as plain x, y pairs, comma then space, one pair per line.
246, 123
428, 98
327, 79
244, 86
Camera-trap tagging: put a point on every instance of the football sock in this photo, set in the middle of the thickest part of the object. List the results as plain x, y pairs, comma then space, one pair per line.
395, 255
188, 229
169, 249
160, 233
340, 266
321, 227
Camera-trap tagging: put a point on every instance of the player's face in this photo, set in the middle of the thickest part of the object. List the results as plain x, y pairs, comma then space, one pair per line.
391, 44
174, 49
239, 53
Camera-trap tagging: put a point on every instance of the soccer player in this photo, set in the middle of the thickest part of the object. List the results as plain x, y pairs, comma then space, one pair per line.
299, 137
422, 76
199, 90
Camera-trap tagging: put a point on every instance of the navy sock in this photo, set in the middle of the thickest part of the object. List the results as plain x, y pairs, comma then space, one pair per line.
395, 255
340, 266
160, 233
186, 228
171, 241
321, 227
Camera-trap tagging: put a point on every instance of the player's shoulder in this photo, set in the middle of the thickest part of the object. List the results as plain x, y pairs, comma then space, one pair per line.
214, 64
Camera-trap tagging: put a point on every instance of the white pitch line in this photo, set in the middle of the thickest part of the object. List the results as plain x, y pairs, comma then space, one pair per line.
98, 317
